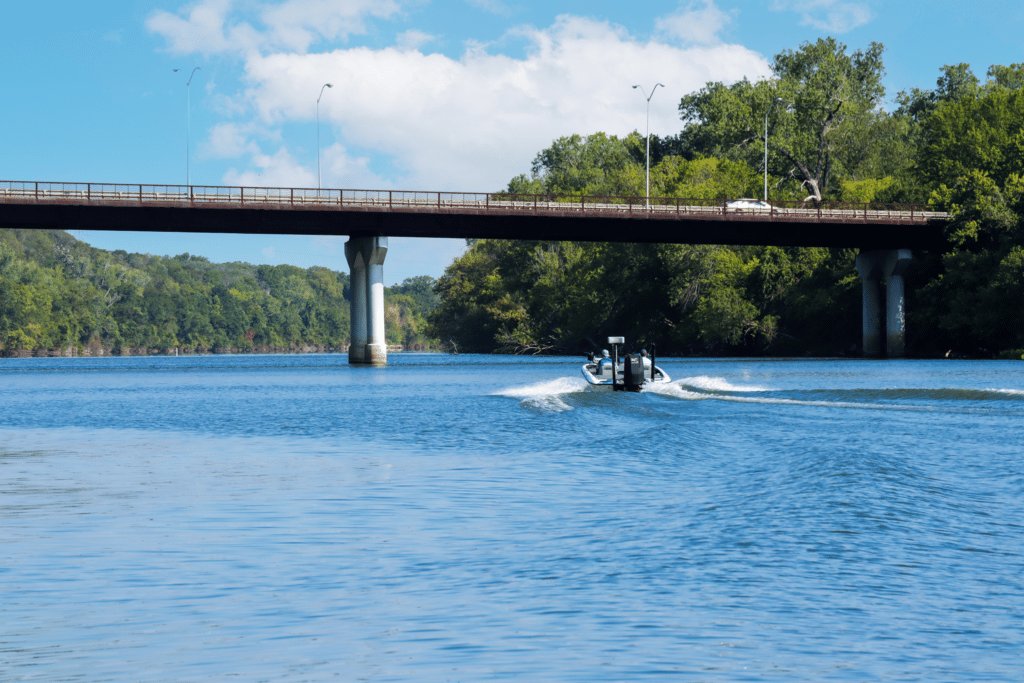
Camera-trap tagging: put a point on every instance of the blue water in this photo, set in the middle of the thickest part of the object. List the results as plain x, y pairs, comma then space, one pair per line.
476, 518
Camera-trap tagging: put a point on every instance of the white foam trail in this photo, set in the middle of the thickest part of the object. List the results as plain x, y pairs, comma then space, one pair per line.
547, 395
554, 387
675, 390
826, 404
706, 383
678, 390
1014, 392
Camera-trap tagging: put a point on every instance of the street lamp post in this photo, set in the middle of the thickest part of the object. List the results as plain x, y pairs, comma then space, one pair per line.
772, 106
188, 124
648, 201
325, 85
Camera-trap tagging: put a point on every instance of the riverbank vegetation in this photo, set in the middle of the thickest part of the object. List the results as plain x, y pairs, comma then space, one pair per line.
832, 136
60, 296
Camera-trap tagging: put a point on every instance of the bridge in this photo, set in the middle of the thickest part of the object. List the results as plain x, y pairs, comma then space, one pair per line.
885, 234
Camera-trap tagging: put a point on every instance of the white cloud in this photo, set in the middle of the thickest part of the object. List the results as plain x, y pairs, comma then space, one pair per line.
202, 31
413, 39
432, 122
281, 169
212, 27
344, 171
832, 16
297, 24
229, 141
473, 123
277, 170
698, 23
496, 7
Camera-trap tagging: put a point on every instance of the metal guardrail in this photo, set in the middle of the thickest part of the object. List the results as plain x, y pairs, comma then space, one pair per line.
284, 198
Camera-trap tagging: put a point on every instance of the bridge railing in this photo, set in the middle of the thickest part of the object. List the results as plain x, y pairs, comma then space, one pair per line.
459, 202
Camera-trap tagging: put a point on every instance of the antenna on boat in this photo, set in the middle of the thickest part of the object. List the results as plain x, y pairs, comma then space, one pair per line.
653, 345
615, 342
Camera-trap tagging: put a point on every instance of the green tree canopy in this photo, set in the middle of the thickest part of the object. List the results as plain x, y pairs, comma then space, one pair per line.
565, 297
595, 165
57, 292
983, 134
822, 106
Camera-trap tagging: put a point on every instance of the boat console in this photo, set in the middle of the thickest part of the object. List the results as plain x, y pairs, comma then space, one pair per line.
629, 374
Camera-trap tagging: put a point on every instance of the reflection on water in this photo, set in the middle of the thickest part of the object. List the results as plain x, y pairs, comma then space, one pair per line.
470, 518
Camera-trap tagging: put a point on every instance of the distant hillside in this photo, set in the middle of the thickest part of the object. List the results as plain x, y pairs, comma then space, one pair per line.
59, 296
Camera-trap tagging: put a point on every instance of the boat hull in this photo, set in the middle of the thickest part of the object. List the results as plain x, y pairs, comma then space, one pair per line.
596, 382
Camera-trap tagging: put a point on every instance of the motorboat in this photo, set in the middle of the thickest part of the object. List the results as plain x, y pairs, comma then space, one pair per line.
630, 373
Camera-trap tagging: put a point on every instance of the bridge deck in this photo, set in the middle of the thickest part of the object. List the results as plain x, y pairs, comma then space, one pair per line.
455, 214
285, 199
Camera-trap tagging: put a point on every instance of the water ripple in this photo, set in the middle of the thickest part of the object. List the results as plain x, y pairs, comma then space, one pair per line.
473, 518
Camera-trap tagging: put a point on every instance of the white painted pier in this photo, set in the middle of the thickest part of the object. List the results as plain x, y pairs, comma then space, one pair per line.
365, 256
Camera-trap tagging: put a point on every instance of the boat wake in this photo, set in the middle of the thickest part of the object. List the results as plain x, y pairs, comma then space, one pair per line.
546, 396
1011, 392
551, 396
705, 384
907, 399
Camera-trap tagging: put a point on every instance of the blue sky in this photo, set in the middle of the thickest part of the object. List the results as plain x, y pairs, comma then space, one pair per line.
428, 94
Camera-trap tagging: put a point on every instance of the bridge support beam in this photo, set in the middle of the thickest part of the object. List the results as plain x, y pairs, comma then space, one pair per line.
872, 266
365, 257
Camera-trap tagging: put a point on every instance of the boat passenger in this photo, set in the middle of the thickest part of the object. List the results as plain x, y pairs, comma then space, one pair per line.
605, 361
645, 359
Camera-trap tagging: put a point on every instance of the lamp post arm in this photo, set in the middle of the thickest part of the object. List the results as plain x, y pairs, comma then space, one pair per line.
766, 114
647, 200
322, 88
188, 125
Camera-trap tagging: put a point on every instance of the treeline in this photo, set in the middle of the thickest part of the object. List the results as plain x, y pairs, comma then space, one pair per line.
958, 147
59, 295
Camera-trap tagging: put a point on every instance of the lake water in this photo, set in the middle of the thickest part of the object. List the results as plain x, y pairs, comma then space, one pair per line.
477, 518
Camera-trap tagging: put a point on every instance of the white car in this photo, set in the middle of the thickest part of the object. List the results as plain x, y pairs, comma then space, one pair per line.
748, 205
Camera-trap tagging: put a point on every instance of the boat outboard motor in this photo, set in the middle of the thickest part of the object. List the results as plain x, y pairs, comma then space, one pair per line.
633, 372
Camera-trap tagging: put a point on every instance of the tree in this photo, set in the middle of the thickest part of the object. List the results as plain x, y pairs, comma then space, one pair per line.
956, 82
973, 159
703, 178
565, 297
1009, 77
983, 134
595, 165
420, 289
57, 292
821, 128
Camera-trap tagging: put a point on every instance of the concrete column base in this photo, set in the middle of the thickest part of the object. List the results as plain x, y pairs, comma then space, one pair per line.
356, 353
375, 354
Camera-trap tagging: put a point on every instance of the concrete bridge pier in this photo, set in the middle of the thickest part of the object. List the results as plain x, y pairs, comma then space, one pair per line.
365, 257
871, 314
894, 266
872, 266
358, 303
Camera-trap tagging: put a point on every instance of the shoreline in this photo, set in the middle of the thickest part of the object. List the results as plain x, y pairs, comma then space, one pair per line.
102, 352
105, 352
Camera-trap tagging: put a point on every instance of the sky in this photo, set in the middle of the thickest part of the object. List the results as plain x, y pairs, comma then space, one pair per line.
426, 94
